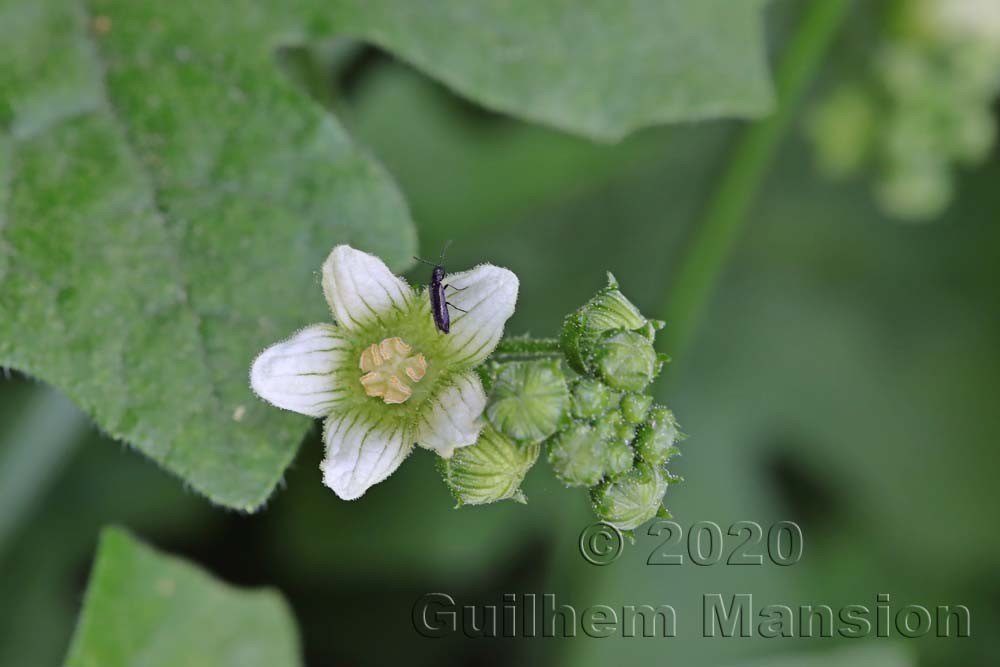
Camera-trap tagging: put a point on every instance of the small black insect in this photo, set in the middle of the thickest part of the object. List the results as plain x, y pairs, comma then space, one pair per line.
439, 301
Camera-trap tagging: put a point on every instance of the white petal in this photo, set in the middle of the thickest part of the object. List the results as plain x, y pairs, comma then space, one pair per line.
361, 452
297, 374
454, 417
360, 288
488, 294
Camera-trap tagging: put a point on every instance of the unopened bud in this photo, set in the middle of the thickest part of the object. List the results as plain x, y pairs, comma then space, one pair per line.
629, 500
626, 360
657, 437
528, 400
613, 428
619, 458
577, 455
635, 407
617, 435
609, 310
490, 470
591, 398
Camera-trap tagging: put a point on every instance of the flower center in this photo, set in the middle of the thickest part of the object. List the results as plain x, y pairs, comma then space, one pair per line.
391, 370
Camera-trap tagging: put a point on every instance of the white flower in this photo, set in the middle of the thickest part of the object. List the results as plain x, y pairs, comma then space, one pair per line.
384, 377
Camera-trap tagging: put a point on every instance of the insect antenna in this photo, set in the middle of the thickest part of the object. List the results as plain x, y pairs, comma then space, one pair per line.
440, 261
443, 251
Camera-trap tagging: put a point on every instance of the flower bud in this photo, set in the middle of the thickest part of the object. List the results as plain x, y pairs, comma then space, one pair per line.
629, 500
657, 437
619, 458
490, 470
608, 424
635, 407
626, 360
529, 400
613, 428
608, 310
617, 435
577, 455
591, 398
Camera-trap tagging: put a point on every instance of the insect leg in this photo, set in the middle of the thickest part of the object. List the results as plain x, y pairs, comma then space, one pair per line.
456, 307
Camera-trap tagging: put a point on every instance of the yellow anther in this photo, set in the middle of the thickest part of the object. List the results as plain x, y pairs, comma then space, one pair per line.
391, 369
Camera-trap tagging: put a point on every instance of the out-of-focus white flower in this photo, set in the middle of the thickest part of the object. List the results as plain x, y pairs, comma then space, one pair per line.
963, 19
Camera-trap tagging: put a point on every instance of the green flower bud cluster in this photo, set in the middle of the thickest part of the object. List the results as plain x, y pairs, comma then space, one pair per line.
585, 397
923, 109
618, 442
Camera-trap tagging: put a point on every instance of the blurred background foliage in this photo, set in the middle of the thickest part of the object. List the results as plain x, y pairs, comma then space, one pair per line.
844, 377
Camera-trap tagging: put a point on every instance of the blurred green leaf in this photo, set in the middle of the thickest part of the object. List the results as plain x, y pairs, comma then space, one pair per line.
146, 608
483, 158
598, 68
167, 199
50, 549
38, 442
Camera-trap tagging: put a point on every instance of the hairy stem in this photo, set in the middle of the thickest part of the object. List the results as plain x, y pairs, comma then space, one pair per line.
523, 346
714, 237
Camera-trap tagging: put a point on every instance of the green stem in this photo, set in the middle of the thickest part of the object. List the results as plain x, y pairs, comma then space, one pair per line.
523, 346
714, 238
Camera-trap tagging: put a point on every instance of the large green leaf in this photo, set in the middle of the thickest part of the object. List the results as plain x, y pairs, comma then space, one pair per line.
595, 67
166, 194
143, 607
168, 198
